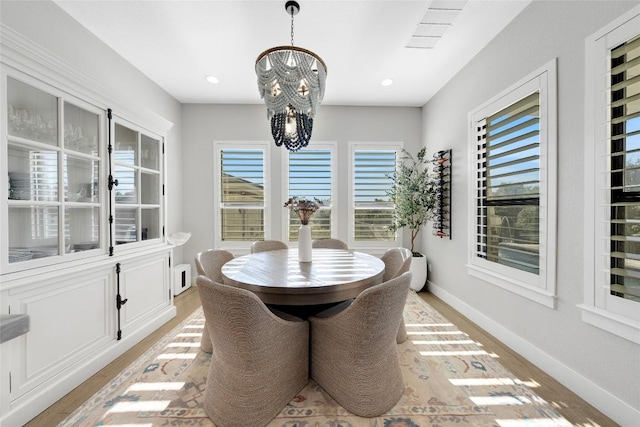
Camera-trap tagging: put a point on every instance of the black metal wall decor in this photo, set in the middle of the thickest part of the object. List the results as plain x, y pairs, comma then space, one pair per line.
442, 171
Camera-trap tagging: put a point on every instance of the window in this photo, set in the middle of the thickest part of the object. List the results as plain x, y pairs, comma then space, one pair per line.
513, 211
625, 171
249, 195
240, 192
612, 178
310, 175
371, 210
508, 187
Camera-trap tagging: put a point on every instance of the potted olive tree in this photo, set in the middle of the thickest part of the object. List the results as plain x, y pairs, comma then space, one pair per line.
414, 192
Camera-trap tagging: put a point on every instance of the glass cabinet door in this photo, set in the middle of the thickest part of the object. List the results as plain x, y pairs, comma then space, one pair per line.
137, 168
53, 165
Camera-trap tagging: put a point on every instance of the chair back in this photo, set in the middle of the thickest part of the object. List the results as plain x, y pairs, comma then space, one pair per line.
376, 310
259, 361
329, 244
407, 256
396, 261
267, 245
354, 355
209, 263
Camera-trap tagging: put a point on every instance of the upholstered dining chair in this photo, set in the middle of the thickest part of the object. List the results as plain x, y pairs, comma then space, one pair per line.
354, 356
396, 262
267, 245
209, 263
259, 361
330, 244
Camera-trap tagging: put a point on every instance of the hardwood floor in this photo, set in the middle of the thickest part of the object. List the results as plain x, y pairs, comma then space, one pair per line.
571, 406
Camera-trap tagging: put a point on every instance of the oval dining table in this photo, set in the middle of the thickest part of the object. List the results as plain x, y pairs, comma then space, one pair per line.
277, 277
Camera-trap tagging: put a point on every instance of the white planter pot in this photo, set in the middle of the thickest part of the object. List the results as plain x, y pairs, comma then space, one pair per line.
419, 270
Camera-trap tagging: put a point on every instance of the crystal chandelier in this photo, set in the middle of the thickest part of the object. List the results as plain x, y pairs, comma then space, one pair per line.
291, 82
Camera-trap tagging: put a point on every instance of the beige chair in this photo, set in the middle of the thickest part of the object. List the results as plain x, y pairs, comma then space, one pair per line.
259, 361
330, 244
354, 356
209, 263
396, 262
268, 245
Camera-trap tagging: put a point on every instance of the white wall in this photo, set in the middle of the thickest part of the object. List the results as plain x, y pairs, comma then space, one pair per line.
204, 123
595, 364
44, 23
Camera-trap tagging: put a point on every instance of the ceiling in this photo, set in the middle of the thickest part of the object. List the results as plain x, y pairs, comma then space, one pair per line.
418, 44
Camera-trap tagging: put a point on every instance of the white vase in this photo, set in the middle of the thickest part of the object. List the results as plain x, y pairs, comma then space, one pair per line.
304, 243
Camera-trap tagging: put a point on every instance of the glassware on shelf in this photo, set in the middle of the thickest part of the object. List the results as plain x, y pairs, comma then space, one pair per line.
81, 129
33, 175
82, 229
126, 146
33, 232
31, 113
149, 153
80, 173
126, 225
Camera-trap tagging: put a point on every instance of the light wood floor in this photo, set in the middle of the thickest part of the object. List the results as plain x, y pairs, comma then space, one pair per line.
572, 407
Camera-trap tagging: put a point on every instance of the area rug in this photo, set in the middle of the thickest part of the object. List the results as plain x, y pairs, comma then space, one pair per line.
450, 381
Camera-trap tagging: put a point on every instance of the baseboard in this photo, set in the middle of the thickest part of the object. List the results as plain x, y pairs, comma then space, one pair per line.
31, 404
614, 408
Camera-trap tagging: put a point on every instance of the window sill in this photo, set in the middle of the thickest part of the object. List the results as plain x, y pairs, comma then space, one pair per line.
517, 287
611, 322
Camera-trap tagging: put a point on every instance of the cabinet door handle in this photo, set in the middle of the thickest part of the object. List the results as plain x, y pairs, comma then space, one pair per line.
112, 182
120, 302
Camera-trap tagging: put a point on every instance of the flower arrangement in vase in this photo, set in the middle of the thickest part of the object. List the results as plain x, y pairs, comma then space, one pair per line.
304, 208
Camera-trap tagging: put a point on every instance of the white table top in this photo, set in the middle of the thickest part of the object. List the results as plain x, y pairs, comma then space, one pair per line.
277, 277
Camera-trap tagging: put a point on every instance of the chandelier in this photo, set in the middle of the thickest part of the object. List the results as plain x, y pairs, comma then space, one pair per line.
291, 82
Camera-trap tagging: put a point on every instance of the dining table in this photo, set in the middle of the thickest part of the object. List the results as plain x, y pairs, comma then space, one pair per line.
278, 277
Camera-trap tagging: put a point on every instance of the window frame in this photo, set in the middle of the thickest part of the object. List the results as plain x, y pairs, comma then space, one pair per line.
369, 244
218, 147
540, 288
332, 147
599, 308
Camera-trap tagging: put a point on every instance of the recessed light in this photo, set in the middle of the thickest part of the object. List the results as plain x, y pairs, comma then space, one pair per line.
212, 79
386, 82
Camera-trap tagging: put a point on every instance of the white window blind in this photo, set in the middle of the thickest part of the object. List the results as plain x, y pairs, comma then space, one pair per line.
310, 177
373, 211
242, 198
625, 170
508, 185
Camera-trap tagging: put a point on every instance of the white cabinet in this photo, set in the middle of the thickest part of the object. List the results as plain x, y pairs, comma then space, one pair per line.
83, 250
145, 285
71, 315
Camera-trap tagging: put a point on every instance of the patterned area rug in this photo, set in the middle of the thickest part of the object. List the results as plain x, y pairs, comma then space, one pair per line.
450, 381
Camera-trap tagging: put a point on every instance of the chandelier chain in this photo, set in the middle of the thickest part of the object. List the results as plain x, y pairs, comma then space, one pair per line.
292, 28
